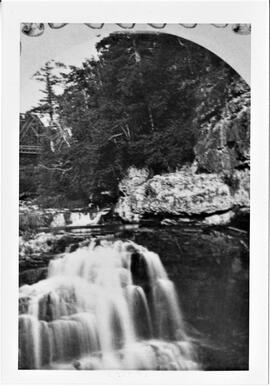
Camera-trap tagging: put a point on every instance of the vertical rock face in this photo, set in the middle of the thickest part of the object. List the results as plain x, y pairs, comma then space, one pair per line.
224, 143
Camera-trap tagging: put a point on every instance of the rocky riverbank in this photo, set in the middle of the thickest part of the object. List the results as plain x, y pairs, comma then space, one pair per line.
182, 196
213, 198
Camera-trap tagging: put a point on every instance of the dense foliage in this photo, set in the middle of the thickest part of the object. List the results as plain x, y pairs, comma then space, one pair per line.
141, 102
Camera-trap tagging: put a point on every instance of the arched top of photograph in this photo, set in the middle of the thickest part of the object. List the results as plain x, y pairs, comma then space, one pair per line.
229, 41
145, 99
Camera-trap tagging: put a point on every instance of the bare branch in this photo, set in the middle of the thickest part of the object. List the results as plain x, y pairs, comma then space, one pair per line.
114, 136
54, 168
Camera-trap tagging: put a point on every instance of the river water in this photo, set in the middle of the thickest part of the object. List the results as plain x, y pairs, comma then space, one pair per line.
153, 298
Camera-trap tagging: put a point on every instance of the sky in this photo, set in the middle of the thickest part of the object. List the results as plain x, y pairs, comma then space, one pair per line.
75, 42
70, 45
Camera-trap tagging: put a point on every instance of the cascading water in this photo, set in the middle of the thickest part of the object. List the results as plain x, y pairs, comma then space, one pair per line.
78, 218
106, 306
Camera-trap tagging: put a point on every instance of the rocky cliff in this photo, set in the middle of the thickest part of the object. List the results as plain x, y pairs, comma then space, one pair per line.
224, 141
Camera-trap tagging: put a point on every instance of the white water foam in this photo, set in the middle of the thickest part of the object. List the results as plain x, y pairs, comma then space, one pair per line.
107, 306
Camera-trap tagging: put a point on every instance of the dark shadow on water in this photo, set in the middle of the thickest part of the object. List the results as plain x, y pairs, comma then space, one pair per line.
210, 269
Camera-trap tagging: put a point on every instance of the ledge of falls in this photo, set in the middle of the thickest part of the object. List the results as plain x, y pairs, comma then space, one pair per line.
32, 216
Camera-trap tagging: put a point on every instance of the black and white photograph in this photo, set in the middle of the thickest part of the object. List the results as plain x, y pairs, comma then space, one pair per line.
134, 196
135, 192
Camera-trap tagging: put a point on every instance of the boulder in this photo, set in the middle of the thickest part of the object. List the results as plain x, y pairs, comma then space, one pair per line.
32, 276
184, 193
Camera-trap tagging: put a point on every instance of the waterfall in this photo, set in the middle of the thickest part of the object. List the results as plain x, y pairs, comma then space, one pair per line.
78, 218
58, 220
109, 305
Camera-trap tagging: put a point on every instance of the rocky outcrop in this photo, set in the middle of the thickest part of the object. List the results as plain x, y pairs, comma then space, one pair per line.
224, 142
214, 186
36, 251
32, 276
241, 187
183, 193
31, 216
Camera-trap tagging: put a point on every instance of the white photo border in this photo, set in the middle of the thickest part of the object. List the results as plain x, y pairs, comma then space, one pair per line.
254, 12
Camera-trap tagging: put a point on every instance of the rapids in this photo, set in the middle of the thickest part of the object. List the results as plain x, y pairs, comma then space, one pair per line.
109, 305
77, 218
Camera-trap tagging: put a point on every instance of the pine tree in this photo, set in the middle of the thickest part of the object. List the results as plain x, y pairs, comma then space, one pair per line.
141, 103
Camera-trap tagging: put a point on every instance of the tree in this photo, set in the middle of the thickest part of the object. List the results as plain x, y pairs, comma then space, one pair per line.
141, 103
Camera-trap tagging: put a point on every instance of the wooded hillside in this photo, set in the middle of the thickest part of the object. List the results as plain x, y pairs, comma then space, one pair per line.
143, 102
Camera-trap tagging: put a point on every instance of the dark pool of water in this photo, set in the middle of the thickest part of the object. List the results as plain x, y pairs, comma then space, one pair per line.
210, 269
